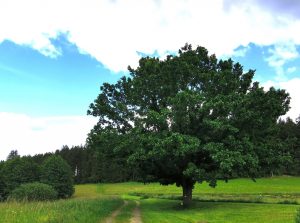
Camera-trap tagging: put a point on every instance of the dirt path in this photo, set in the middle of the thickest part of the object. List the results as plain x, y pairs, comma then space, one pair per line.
111, 218
136, 214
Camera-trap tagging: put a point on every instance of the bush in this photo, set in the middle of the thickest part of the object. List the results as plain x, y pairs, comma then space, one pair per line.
34, 192
15, 172
57, 173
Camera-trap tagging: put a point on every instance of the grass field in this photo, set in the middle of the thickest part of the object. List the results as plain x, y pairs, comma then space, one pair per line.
75, 210
213, 212
241, 200
266, 190
274, 185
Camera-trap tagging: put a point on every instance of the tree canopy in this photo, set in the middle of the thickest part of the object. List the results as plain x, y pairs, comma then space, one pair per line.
13, 154
191, 118
16, 171
57, 173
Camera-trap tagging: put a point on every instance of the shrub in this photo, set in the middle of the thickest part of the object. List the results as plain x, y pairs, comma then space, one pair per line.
15, 172
57, 173
34, 192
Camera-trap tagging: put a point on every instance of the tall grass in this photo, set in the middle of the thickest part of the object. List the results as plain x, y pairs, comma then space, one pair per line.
63, 211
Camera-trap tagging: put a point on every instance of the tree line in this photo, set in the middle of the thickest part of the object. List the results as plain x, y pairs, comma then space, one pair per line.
101, 162
32, 178
105, 156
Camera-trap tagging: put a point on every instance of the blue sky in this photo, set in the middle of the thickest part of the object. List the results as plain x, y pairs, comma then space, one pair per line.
54, 59
34, 84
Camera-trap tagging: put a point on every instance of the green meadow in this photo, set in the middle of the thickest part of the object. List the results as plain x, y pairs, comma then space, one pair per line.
273, 200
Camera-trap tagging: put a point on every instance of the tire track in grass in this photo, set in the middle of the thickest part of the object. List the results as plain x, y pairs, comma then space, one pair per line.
136, 214
111, 218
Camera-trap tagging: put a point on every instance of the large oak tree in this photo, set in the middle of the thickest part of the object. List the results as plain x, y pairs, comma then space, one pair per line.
191, 118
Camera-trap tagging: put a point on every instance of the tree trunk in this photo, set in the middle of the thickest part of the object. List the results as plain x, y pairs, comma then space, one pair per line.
187, 189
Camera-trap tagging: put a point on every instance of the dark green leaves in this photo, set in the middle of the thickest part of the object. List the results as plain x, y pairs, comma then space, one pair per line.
57, 173
191, 118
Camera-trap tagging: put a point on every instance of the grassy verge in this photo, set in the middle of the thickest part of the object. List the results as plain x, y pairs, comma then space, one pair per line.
63, 211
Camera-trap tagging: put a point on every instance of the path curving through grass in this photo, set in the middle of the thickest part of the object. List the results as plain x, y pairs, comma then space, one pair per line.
112, 217
136, 214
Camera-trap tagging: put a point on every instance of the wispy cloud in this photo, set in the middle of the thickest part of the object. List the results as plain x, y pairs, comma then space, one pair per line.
241, 52
291, 70
8, 70
46, 47
279, 56
12, 70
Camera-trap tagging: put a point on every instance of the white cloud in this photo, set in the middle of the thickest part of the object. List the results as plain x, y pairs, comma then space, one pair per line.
39, 135
280, 55
241, 52
113, 31
292, 87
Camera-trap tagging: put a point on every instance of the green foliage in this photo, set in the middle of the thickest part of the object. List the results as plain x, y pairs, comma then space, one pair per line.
80, 161
13, 154
57, 173
2, 184
2, 190
289, 135
17, 171
109, 162
33, 192
191, 118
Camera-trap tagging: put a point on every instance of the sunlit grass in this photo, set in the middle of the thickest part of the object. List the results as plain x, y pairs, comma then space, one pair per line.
274, 185
87, 191
94, 203
273, 190
168, 211
89, 210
